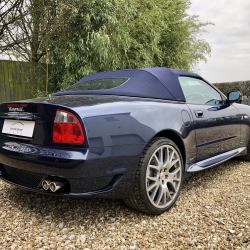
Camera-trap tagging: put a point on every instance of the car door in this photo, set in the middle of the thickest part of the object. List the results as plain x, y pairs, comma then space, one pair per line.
217, 124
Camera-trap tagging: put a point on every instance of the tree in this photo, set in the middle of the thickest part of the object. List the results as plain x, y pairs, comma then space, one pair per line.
117, 34
80, 37
27, 28
28, 25
8, 14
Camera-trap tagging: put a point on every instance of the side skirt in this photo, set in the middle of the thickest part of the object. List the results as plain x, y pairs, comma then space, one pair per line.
210, 162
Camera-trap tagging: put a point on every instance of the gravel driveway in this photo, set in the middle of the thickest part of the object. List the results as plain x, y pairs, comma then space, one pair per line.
213, 212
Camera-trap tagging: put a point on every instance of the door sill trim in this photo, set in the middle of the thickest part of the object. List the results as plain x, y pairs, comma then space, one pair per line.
210, 162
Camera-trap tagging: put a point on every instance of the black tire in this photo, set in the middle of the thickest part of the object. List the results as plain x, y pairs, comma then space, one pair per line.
166, 179
247, 156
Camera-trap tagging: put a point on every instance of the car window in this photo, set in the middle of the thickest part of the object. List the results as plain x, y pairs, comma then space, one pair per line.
199, 92
98, 84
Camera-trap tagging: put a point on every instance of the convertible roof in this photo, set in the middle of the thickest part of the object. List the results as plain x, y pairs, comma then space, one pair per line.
160, 83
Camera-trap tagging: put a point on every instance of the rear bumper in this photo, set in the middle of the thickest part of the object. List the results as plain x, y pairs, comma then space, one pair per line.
87, 173
119, 187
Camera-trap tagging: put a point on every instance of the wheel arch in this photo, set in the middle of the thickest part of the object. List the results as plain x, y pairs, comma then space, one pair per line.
176, 138
140, 199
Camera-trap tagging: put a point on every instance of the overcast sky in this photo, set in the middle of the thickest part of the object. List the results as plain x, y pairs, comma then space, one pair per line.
229, 38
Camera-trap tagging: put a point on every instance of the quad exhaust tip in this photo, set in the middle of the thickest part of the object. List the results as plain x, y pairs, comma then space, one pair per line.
52, 185
46, 184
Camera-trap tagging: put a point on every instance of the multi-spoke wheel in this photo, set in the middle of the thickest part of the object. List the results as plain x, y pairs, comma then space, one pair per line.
163, 176
158, 178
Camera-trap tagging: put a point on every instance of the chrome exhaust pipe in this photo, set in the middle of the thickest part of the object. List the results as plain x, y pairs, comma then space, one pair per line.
46, 184
56, 185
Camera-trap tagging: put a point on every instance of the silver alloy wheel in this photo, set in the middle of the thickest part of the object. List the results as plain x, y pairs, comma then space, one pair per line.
163, 176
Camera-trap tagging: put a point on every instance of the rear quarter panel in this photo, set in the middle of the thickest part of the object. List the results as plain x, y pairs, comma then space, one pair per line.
124, 128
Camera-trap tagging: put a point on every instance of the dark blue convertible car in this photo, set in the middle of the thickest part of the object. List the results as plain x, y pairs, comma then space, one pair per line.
126, 134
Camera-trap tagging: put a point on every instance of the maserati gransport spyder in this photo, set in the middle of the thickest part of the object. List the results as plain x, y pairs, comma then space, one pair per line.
127, 134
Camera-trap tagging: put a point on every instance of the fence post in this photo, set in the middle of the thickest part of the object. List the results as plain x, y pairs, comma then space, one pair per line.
244, 100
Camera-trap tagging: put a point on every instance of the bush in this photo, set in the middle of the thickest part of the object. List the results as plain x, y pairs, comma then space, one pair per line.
226, 87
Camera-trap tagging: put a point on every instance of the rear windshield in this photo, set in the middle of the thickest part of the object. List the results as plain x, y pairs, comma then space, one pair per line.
99, 84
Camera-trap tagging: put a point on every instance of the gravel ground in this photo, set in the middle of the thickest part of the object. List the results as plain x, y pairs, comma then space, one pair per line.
212, 212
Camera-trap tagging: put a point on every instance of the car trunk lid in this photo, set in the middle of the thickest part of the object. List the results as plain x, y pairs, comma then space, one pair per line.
39, 114
27, 122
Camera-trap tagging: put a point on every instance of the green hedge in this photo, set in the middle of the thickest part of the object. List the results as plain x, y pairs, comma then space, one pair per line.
243, 87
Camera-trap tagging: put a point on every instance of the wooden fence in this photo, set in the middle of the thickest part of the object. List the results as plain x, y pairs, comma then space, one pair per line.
245, 100
21, 80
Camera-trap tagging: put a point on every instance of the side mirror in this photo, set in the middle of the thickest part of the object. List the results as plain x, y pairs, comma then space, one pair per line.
233, 96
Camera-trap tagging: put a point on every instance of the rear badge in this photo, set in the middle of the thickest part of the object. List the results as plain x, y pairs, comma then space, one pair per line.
17, 107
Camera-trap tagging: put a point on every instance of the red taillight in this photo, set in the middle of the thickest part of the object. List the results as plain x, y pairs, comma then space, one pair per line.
67, 129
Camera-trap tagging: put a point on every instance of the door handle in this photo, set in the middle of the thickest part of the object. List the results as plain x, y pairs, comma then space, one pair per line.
198, 113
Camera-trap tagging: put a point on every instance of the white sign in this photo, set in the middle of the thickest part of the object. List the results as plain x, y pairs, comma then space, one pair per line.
18, 127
